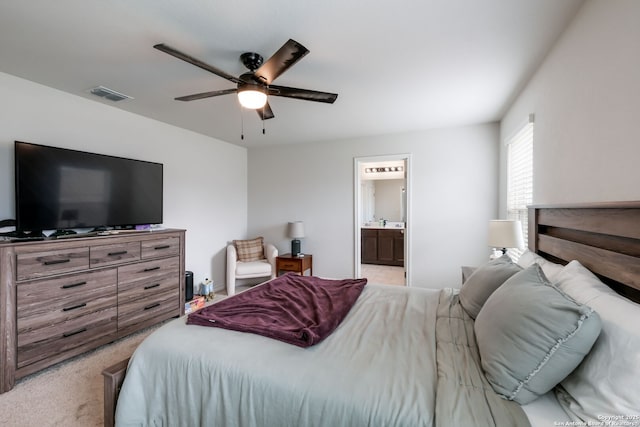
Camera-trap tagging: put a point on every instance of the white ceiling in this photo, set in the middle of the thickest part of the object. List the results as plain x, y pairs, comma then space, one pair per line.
397, 65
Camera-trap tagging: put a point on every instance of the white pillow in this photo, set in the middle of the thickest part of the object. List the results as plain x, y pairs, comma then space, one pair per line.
550, 269
606, 382
579, 282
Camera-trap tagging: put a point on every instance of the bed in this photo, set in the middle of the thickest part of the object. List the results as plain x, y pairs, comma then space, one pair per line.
409, 356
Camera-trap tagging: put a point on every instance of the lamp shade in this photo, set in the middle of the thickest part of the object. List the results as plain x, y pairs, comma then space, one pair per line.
296, 230
504, 233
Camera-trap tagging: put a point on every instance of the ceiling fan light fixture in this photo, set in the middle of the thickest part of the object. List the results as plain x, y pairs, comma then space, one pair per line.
254, 87
252, 97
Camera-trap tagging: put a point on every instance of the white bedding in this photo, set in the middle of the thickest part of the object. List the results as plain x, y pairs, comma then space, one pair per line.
546, 412
363, 374
378, 369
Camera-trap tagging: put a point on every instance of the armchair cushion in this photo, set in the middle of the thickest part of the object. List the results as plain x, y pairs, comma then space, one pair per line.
253, 268
250, 250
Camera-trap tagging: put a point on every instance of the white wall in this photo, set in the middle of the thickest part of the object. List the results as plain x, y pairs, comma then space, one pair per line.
586, 100
205, 180
454, 179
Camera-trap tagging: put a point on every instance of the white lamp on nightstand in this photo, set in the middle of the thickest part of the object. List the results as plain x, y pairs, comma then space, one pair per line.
296, 232
503, 234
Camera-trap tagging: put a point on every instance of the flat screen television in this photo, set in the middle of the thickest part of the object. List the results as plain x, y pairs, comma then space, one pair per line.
62, 189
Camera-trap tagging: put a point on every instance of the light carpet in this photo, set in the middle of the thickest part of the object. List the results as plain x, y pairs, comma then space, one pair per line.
68, 394
71, 393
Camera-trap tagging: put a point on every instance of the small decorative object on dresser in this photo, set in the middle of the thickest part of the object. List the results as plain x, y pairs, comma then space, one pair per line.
298, 264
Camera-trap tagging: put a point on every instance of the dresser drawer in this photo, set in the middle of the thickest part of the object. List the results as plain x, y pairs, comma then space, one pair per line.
145, 273
142, 290
50, 341
31, 265
54, 301
289, 265
160, 247
120, 253
141, 282
138, 311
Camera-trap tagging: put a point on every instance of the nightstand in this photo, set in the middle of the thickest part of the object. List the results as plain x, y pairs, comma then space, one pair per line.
287, 262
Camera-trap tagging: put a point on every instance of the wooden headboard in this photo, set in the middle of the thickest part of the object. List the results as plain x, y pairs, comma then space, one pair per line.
604, 237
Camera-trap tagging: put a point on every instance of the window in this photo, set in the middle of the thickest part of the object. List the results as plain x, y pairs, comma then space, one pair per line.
520, 179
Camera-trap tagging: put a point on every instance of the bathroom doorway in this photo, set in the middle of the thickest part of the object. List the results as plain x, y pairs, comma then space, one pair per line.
382, 192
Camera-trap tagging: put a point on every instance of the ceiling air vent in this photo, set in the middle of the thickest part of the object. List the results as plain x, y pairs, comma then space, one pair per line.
109, 94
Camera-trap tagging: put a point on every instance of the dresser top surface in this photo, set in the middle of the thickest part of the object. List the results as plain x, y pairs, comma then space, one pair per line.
88, 238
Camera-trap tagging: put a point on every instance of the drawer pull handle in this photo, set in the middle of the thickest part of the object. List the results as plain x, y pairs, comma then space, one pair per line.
150, 306
76, 332
117, 253
152, 268
152, 286
56, 261
73, 285
157, 248
84, 304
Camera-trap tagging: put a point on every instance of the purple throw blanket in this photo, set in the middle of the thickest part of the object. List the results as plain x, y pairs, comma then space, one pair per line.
299, 310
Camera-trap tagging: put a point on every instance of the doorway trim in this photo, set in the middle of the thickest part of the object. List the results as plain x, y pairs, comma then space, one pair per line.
357, 203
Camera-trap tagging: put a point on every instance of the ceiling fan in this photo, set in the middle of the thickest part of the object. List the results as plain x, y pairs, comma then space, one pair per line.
254, 86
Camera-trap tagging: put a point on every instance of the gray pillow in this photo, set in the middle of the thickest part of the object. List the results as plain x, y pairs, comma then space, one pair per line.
467, 271
531, 335
484, 280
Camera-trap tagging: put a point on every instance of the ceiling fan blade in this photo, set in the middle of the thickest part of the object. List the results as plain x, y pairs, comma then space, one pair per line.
290, 53
191, 60
304, 94
265, 113
205, 95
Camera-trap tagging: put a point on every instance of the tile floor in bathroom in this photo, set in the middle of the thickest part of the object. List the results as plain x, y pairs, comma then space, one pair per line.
383, 274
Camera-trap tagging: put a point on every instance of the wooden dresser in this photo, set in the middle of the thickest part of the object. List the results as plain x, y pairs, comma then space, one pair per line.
60, 298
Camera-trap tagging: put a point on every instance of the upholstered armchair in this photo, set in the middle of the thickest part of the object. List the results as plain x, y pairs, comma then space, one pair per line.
248, 259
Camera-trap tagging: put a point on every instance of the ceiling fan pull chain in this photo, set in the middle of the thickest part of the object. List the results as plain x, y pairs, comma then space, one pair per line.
241, 125
263, 107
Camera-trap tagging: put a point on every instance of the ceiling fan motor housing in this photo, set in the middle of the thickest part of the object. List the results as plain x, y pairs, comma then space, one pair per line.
251, 60
248, 82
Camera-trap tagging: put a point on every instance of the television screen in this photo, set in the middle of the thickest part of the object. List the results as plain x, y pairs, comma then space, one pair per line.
59, 189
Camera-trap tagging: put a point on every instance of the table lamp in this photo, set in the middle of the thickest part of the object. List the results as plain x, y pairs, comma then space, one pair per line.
296, 232
503, 234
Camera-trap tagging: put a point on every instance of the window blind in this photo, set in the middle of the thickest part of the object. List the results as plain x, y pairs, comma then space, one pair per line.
520, 180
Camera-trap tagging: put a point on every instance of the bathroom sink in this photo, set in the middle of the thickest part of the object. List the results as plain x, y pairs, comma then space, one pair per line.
389, 224
394, 224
